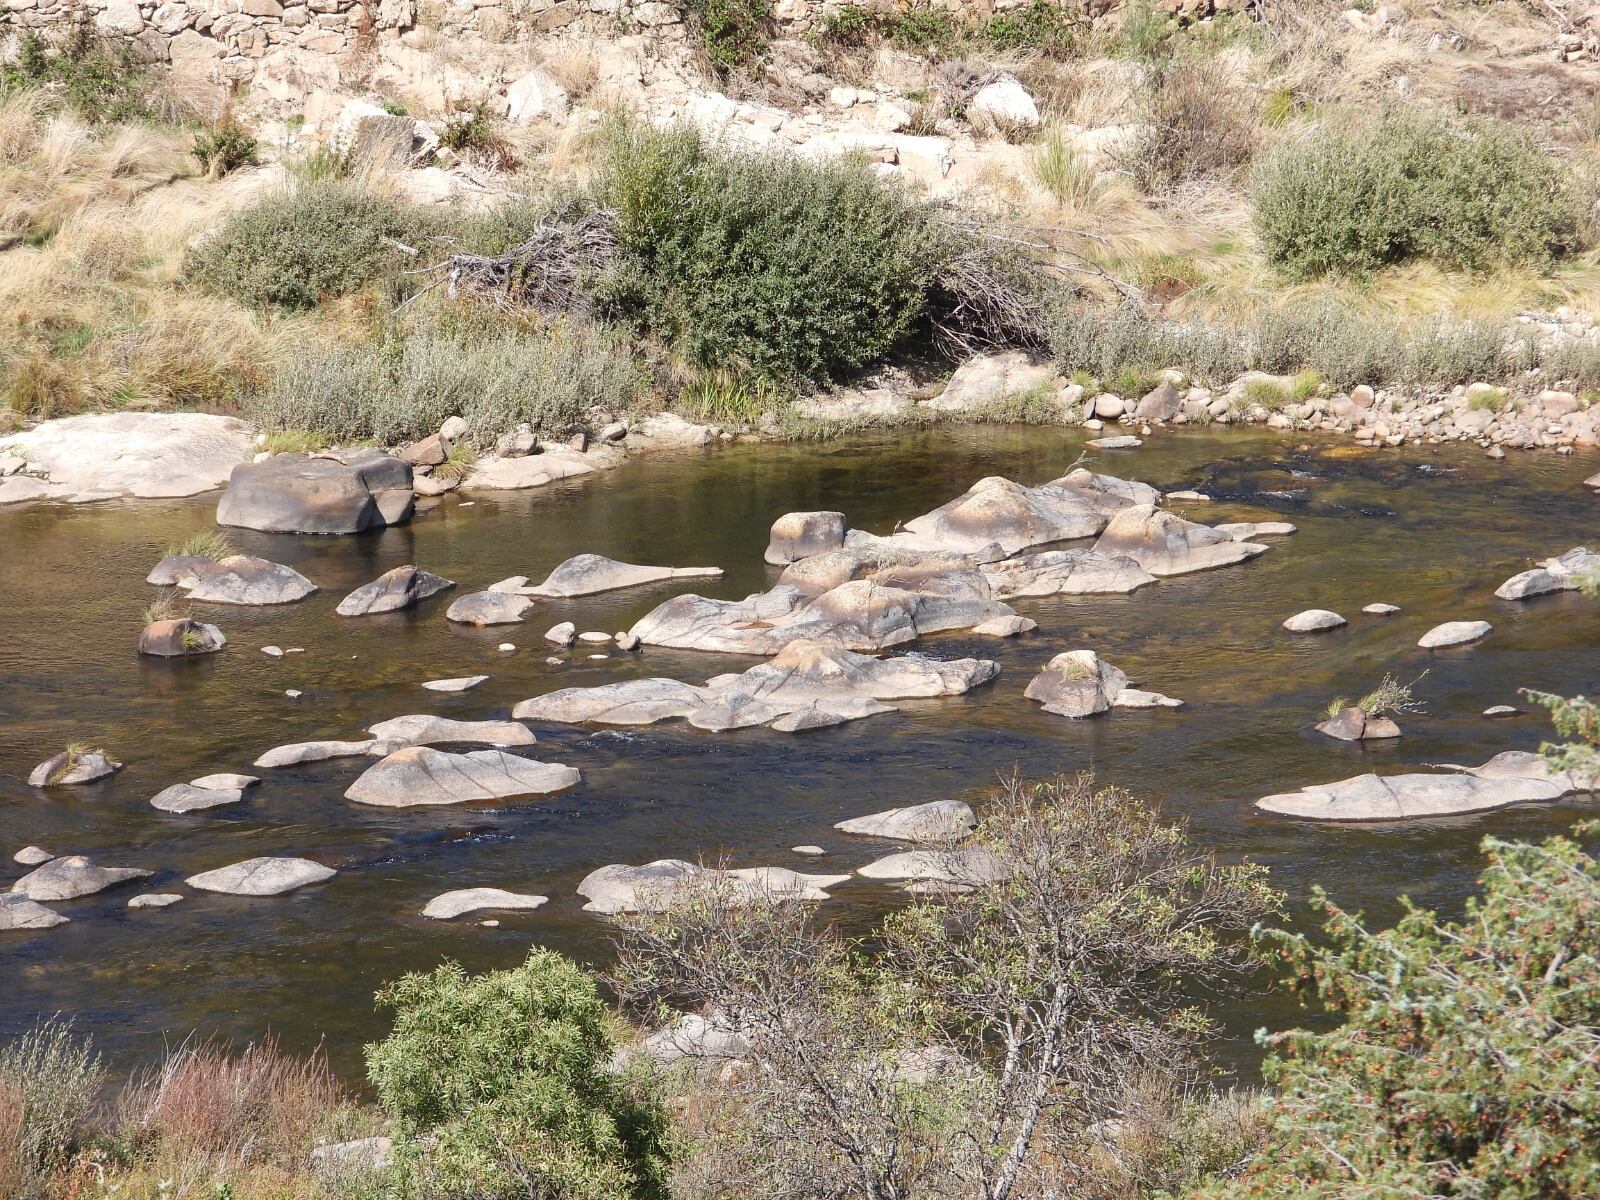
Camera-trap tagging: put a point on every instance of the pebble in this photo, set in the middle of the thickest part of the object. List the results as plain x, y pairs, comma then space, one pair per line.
491, 923
1187, 495
300, 650
294, 693
272, 651
598, 657
1502, 710
811, 851
1380, 609
506, 647
553, 661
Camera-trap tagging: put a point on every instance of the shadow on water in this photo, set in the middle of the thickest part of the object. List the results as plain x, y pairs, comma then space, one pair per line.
1431, 529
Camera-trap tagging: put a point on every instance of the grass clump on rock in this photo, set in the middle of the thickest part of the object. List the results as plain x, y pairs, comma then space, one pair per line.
295, 248
1472, 194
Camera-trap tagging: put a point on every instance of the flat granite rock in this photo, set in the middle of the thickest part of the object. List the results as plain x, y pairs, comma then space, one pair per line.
70, 767
807, 671
179, 570
262, 876
392, 591
936, 821
530, 471
187, 798
155, 900
733, 710
243, 579
825, 714
488, 608
19, 912
418, 776
1247, 531
146, 454
971, 866
420, 729
463, 683
655, 886
1065, 573
630, 702
466, 900
587, 574
1163, 543
71, 877
1514, 777
296, 753
1314, 620
225, 780
293, 493
1454, 633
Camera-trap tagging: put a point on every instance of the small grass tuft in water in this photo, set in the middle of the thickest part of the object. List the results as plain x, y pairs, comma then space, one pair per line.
457, 464
1337, 705
167, 606
1392, 696
212, 544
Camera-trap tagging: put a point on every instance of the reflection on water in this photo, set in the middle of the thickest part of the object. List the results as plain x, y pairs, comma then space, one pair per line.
1433, 530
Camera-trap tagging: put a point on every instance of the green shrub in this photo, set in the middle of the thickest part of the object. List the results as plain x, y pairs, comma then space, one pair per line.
1464, 193
224, 149
1040, 26
502, 1089
792, 269
295, 248
474, 133
1468, 1063
49, 1082
100, 79
733, 33
405, 386
1199, 126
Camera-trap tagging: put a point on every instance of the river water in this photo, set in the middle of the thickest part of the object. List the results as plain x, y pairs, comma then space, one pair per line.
1434, 530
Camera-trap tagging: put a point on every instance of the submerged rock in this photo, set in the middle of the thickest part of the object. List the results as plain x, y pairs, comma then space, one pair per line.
400, 588
799, 535
1454, 633
268, 876
465, 900
420, 729
655, 886
936, 821
1163, 543
71, 877
296, 753
1314, 620
630, 702
73, 766
242, 579
180, 637
586, 574
1246, 531
464, 683
1514, 777
1006, 627
1565, 573
19, 912
293, 493
488, 608
823, 714
418, 776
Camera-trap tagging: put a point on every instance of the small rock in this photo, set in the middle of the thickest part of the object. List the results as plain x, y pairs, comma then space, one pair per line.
1502, 710
272, 651
563, 634
19, 912
73, 766
462, 684
506, 647
262, 877
1380, 609
32, 856
293, 693
594, 636
627, 641
1313, 620
1454, 633
488, 608
154, 900
809, 851
1191, 495
180, 638
466, 900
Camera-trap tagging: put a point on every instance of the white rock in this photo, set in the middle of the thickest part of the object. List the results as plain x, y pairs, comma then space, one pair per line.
1380, 609
537, 96
1314, 620
1005, 101
155, 900
32, 856
467, 900
262, 876
461, 684
132, 453
563, 634
936, 821
1454, 633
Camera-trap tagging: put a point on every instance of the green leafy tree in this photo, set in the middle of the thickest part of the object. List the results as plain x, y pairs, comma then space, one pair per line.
1468, 1064
502, 1089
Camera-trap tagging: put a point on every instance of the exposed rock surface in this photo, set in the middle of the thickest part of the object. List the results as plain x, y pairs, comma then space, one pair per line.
733, 710
936, 821
186, 798
293, 493
155, 900
420, 729
393, 590
630, 702
968, 867
1454, 633
225, 780
586, 574
1163, 543
461, 683
799, 535
1314, 620
1564, 573
466, 900
824, 714
31, 856
1064, 573
654, 886
71, 766
489, 608
1354, 724
806, 671
73, 876
296, 753
101, 455
266, 876
1514, 777
179, 570
418, 776
180, 637
19, 912
241, 579
997, 512
1380, 609
537, 470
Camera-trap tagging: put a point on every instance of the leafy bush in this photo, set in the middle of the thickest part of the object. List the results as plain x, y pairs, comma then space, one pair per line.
1469, 1060
501, 1085
49, 1079
295, 248
473, 133
1046, 28
795, 269
1464, 193
224, 149
733, 33
404, 387
99, 79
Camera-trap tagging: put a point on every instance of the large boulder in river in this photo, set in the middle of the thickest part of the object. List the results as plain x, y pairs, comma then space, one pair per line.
936, 821
1454, 633
998, 512
295, 753
458, 903
1076, 683
1514, 777
1163, 543
180, 636
71, 877
420, 729
292, 493
418, 776
806, 671
1565, 573
629, 702
1314, 620
269, 876
148, 454
488, 608
243, 579
968, 867
73, 766
19, 912
188, 797
799, 535
655, 886
392, 591
1355, 724
586, 574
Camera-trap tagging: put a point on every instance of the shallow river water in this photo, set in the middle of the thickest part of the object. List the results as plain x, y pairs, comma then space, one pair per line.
1434, 530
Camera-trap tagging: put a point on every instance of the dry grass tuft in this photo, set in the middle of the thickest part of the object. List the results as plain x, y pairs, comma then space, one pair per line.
574, 68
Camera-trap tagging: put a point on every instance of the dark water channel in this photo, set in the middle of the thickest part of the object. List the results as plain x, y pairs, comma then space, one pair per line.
1434, 530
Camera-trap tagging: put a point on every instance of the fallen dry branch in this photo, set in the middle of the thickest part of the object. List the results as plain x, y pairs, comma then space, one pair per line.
549, 271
